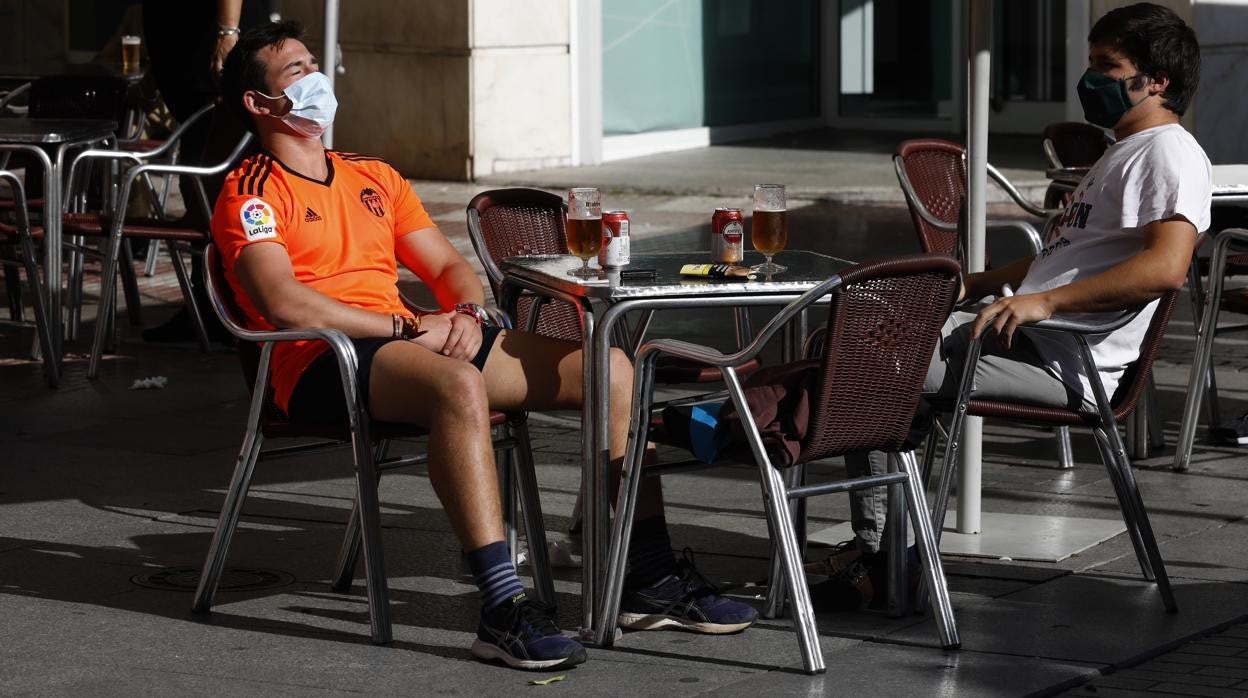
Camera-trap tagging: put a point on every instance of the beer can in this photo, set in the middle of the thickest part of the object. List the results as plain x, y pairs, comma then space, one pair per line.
615, 243
727, 235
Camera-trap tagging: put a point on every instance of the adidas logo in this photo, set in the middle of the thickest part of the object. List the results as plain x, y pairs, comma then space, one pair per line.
311, 216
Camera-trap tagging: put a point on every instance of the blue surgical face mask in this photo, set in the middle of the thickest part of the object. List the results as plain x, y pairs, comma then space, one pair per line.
312, 105
1105, 100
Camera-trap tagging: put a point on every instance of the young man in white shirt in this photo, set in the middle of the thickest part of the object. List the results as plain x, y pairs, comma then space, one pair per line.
1126, 238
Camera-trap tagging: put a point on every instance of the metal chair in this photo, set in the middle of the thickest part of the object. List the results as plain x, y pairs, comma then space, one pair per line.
932, 174
884, 319
180, 237
22, 234
1103, 422
369, 442
1223, 262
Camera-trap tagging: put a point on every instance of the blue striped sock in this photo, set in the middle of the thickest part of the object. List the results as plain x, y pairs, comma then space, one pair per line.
494, 574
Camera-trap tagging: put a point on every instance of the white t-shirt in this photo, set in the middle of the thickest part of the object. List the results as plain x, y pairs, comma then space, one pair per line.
1146, 177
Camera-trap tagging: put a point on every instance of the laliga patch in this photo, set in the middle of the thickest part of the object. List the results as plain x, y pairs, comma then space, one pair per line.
258, 220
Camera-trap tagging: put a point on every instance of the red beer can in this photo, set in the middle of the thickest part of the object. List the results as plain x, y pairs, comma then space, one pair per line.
727, 236
615, 248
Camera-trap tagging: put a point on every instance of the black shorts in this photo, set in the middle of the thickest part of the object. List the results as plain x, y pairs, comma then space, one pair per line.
317, 397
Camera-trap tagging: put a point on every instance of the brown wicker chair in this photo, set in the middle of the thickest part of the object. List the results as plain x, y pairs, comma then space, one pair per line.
885, 318
369, 441
1103, 422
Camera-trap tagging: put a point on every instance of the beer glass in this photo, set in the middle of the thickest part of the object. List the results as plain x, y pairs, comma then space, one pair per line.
584, 228
769, 226
129, 54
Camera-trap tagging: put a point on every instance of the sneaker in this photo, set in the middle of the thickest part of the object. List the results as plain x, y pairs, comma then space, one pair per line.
684, 600
520, 634
1233, 434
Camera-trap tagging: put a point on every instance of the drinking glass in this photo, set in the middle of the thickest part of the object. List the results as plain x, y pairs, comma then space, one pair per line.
130, 54
769, 225
584, 228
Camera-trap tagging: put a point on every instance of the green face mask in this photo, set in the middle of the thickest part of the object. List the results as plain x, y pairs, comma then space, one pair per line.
1104, 99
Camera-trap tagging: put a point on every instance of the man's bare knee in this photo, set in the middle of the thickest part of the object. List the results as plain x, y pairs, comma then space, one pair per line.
461, 391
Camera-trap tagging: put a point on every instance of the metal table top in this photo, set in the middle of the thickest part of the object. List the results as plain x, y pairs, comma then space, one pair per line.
27, 71
54, 131
805, 269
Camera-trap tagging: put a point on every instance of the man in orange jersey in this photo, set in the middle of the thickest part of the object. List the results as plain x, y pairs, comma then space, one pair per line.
312, 238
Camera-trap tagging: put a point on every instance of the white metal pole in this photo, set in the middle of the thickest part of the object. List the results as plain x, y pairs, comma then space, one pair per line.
979, 74
329, 57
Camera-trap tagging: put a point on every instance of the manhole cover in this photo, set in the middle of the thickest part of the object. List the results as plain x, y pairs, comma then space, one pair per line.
233, 579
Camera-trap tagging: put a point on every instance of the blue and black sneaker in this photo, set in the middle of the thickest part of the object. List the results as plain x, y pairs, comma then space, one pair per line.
521, 634
684, 600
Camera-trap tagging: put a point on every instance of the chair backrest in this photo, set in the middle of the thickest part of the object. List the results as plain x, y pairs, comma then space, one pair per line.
1135, 379
511, 222
1074, 144
225, 305
932, 173
883, 325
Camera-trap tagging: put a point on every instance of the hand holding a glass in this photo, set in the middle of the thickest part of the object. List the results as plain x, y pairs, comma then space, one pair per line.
769, 225
584, 230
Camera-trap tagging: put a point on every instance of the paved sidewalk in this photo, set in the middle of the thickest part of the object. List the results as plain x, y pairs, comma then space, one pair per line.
106, 492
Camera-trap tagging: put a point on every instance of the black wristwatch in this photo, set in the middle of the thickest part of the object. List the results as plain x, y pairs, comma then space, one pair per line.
474, 311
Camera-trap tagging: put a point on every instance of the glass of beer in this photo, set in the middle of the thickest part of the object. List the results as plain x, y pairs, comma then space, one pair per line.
584, 228
130, 54
769, 226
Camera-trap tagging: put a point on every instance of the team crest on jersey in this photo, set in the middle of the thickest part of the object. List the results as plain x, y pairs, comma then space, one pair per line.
372, 201
259, 223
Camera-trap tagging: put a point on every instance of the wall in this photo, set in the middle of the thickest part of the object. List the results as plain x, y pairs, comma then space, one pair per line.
451, 89
32, 32
405, 93
521, 85
1220, 101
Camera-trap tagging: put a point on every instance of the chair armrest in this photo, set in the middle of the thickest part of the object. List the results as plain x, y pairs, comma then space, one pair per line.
714, 357
1017, 196
1085, 328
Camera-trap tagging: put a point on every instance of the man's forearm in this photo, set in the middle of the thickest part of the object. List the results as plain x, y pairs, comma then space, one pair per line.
1130, 284
303, 306
987, 283
457, 284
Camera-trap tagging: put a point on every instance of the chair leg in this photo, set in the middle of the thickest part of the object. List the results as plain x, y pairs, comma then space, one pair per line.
531, 508
75, 288
106, 306
895, 528
507, 492
188, 297
227, 522
773, 604
1065, 455
1128, 519
1200, 378
781, 517
130, 285
1133, 506
933, 570
631, 476
51, 357
366, 475
349, 551
929, 449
